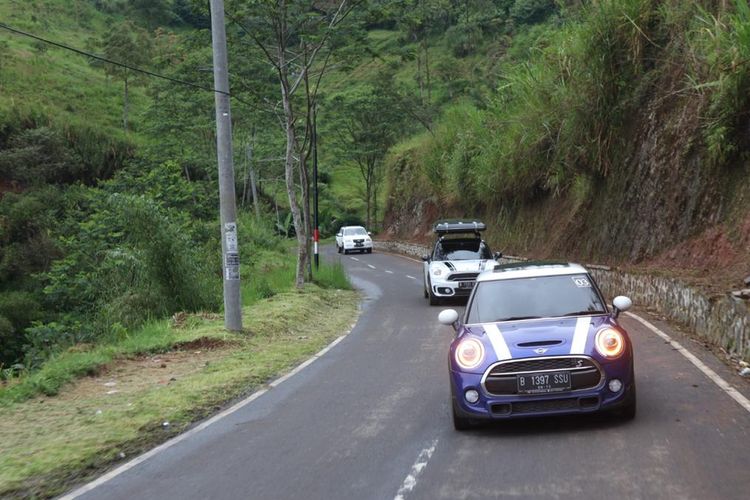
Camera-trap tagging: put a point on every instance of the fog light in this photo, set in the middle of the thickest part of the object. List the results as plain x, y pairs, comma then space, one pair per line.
615, 385
471, 396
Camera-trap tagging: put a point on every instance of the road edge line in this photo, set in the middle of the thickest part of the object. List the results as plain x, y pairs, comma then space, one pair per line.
203, 425
708, 372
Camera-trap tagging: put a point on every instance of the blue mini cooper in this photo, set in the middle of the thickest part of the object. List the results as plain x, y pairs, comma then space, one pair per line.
536, 339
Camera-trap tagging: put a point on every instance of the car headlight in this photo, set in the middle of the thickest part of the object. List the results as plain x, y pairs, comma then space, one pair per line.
610, 343
437, 272
469, 353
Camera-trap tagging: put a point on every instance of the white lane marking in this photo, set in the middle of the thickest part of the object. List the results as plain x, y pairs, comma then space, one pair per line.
708, 372
354, 258
580, 335
371, 266
411, 479
498, 341
389, 272
410, 277
195, 430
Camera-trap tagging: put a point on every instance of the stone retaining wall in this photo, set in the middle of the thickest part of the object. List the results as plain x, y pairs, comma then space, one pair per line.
721, 320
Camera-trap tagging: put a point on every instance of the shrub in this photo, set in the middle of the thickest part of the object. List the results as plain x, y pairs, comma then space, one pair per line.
17, 311
39, 155
131, 260
721, 47
463, 39
42, 340
10, 344
531, 11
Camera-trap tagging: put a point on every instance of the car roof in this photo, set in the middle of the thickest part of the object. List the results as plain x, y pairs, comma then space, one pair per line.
453, 226
531, 269
352, 227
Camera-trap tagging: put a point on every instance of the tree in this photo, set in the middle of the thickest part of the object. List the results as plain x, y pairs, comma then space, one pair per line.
292, 35
130, 45
155, 12
372, 121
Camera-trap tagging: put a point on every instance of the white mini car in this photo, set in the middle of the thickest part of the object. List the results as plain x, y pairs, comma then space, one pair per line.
353, 238
459, 256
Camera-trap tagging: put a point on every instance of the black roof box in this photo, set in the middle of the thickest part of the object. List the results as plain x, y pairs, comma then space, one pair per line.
455, 226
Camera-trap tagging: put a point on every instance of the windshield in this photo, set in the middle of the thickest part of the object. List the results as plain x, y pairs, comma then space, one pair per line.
528, 298
355, 231
473, 249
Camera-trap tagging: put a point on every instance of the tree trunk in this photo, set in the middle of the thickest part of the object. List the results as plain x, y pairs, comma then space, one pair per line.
125, 106
368, 196
304, 180
289, 175
427, 68
375, 203
254, 190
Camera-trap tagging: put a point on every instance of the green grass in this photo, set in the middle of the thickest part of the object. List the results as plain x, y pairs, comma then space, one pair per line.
56, 84
331, 275
86, 429
265, 274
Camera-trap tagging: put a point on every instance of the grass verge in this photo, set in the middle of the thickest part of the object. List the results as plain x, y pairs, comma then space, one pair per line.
176, 372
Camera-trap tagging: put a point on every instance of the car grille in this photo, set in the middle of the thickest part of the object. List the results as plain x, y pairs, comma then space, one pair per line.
543, 406
359, 241
541, 364
502, 380
463, 277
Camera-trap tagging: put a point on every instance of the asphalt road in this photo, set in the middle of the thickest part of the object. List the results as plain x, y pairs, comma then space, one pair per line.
371, 420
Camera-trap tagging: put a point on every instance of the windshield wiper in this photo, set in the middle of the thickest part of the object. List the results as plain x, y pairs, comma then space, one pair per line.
583, 313
518, 318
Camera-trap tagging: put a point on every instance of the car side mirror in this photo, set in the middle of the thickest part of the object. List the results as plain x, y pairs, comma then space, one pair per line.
449, 317
498, 255
369, 233
426, 258
621, 304
338, 235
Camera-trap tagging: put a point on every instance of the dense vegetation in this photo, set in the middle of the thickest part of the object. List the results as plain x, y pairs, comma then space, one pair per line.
627, 110
108, 193
532, 113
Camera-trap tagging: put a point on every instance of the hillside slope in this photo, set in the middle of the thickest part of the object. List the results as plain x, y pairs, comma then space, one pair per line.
617, 135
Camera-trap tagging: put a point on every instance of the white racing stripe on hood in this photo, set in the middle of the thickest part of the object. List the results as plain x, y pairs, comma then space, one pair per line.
498, 341
580, 335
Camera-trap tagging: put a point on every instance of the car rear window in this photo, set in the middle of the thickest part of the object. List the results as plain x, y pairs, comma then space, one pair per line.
462, 250
528, 298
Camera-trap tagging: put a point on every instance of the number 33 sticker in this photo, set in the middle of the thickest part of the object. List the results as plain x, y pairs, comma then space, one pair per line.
582, 282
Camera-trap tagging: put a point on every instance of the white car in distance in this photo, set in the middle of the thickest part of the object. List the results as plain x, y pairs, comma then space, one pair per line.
459, 256
353, 239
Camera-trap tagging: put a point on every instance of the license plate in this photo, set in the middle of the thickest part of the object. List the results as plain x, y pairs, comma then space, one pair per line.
465, 284
540, 383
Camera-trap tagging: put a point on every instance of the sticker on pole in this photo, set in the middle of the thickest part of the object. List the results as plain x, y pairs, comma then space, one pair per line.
232, 273
232, 266
230, 237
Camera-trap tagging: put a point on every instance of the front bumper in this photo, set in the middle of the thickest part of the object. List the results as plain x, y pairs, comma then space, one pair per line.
446, 288
503, 407
350, 245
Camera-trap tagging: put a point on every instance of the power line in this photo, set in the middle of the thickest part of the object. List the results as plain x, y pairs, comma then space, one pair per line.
122, 65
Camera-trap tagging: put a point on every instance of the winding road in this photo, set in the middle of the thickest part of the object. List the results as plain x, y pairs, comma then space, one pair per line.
370, 419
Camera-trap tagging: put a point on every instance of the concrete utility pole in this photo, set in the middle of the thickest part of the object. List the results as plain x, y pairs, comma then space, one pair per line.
228, 208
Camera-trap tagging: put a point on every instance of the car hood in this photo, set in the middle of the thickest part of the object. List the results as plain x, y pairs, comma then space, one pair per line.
357, 237
533, 338
464, 266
